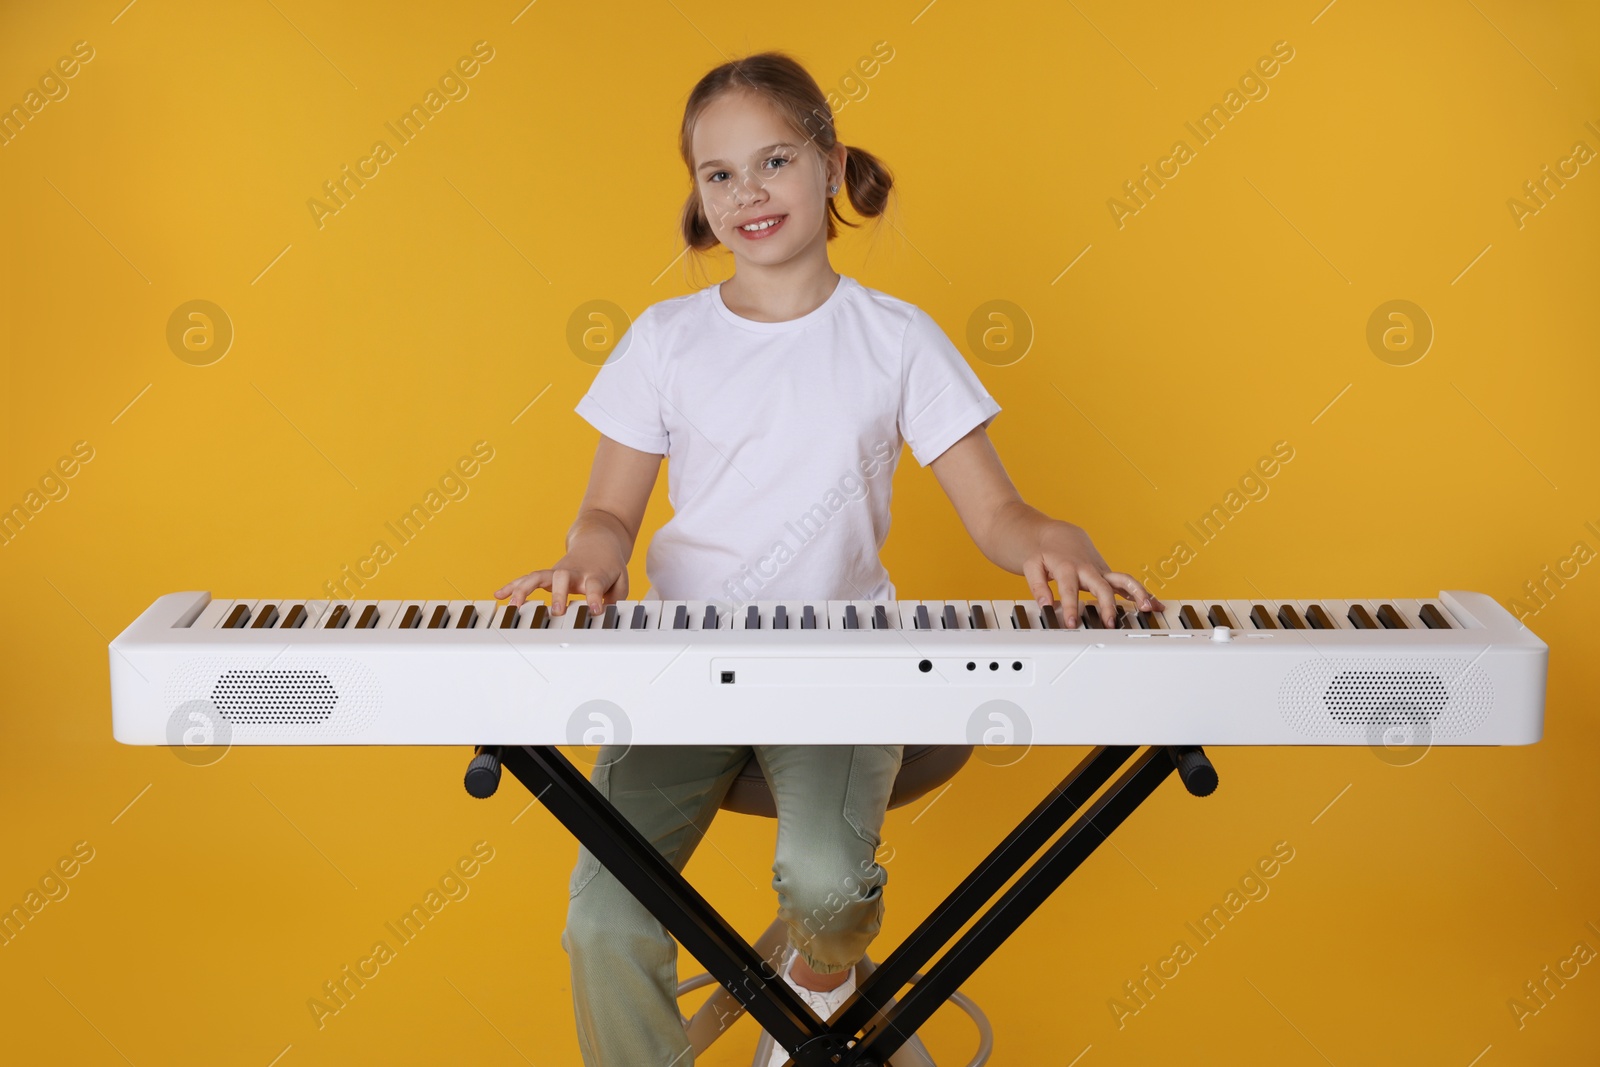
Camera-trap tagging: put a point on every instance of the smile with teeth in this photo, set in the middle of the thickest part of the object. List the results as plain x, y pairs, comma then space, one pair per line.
760, 226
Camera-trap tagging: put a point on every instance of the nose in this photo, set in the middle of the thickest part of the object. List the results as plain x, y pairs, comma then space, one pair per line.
748, 188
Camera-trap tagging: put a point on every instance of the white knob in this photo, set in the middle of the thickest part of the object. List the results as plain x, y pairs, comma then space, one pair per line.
1221, 634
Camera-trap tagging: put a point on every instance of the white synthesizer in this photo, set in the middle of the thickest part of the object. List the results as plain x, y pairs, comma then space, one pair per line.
1456, 670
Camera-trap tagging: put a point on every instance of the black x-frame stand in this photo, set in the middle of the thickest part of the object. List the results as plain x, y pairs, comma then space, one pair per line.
589, 817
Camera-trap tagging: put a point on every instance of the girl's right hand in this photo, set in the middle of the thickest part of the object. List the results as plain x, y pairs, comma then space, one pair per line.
598, 577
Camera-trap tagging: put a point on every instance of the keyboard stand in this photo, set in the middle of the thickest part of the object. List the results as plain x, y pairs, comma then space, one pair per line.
581, 808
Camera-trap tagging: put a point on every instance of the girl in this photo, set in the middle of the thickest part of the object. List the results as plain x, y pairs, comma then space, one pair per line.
783, 396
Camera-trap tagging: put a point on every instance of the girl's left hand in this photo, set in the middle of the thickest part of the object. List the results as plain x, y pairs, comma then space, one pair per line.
1066, 554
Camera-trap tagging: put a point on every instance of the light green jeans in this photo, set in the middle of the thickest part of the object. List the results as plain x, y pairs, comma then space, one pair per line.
831, 801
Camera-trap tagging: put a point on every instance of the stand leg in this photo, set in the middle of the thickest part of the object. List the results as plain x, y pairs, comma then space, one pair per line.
998, 868
1013, 908
589, 817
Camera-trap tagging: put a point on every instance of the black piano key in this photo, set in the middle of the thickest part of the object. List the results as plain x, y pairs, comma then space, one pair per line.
949, 619
1392, 619
541, 618
1262, 618
850, 622
680, 617
640, 617
880, 617
1219, 617
923, 622
265, 618
369, 618
1360, 618
1091, 617
710, 620
580, 620
808, 618
295, 619
411, 617
978, 621
1047, 618
780, 618
1019, 618
1123, 622
1290, 618
752, 618
1149, 620
468, 619
1433, 618
440, 616
236, 618
1190, 618
609, 622
508, 619
1319, 619
338, 618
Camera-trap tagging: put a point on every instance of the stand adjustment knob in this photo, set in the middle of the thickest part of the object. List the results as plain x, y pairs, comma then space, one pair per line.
483, 773
1194, 767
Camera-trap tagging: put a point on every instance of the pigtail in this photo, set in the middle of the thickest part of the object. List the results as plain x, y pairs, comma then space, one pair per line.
867, 182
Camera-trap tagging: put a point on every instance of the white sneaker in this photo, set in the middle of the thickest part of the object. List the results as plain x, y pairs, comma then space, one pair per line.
824, 1004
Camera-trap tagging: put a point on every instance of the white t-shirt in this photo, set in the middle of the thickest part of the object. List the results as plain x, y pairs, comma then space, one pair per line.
782, 437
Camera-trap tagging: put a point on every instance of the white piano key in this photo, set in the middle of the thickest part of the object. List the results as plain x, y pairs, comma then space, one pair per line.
696, 612
794, 612
484, 614
1002, 618
1412, 610
313, 611
428, 609
1336, 611
212, 614
652, 612
1272, 607
259, 610
497, 618
963, 616
1240, 610
390, 612
865, 610
333, 609
1030, 609
991, 616
1167, 618
249, 606
766, 610
567, 619
1408, 610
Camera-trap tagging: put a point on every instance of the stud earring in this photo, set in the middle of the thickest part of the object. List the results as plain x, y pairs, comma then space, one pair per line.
832, 189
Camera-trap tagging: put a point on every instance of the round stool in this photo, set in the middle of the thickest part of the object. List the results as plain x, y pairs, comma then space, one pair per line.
923, 768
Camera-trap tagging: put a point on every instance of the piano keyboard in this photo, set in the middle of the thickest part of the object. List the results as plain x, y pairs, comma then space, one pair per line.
1457, 669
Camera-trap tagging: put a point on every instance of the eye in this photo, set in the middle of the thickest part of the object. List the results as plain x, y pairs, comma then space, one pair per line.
712, 178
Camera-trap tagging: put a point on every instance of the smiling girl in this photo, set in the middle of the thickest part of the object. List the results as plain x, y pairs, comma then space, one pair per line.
761, 390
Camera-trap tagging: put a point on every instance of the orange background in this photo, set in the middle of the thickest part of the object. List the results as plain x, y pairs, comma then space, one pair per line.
1229, 313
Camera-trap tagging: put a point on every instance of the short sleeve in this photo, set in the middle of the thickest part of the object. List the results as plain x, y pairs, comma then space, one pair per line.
941, 399
623, 402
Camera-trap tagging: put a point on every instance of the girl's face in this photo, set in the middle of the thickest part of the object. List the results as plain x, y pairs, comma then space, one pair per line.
752, 167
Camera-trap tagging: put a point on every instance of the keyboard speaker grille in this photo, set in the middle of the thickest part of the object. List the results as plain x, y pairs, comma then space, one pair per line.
281, 696
1355, 699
